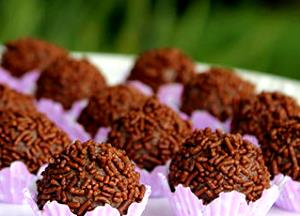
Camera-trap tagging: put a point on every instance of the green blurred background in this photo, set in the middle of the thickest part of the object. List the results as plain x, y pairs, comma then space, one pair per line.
262, 35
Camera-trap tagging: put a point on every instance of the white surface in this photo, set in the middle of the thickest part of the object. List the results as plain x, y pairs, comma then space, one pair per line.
116, 67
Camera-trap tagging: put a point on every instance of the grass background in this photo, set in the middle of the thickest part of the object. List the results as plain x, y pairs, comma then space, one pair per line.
262, 35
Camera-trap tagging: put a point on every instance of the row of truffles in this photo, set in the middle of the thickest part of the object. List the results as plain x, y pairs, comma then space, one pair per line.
86, 175
80, 175
62, 78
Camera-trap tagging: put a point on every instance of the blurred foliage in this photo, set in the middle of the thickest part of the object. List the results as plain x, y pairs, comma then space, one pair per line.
255, 34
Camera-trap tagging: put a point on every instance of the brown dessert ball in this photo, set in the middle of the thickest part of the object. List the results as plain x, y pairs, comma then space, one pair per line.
11, 99
281, 149
68, 80
150, 135
109, 105
215, 91
213, 162
160, 66
29, 137
87, 175
259, 114
26, 54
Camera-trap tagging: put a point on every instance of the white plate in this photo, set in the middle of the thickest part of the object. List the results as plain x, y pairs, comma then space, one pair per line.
116, 67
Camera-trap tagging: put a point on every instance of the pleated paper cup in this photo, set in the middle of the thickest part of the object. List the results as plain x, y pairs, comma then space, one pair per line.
13, 180
63, 119
153, 179
55, 209
185, 203
25, 84
289, 198
142, 87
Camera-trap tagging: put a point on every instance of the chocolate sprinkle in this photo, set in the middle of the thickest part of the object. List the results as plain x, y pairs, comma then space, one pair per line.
281, 149
11, 99
87, 175
27, 54
109, 105
259, 114
68, 80
150, 135
215, 91
29, 137
160, 66
213, 162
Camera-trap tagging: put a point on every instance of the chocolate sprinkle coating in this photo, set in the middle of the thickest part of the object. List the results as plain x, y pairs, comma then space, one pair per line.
213, 162
11, 99
30, 137
68, 80
27, 54
160, 66
109, 105
87, 175
281, 149
150, 135
215, 91
259, 114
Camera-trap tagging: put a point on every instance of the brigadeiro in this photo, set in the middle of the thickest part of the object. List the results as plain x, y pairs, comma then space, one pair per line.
27, 54
28, 137
69, 80
281, 149
160, 66
215, 91
110, 104
150, 136
215, 171
11, 99
90, 176
259, 114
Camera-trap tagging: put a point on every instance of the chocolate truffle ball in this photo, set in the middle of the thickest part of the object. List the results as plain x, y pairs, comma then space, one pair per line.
160, 66
281, 149
26, 54
87, 175
11, 99
110, 104
213, 162
68, 80
257, 115
149, 135
215, 91
29, 137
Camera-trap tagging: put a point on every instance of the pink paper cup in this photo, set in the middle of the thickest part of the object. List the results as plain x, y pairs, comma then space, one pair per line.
289, 198
63, 119
153, 179
13, 180
55, 209
25, 84
142, 87
185, 203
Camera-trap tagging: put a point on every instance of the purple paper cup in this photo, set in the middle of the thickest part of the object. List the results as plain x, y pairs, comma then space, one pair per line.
289, 198
25, 84
203, 119
170, 94
102, 135
55, 209
251, 139
63, 119
142, 87
153, 179
185, 203
13, 180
